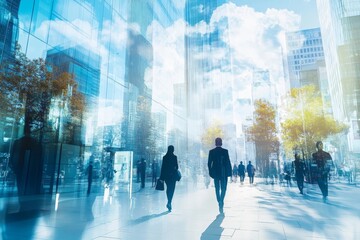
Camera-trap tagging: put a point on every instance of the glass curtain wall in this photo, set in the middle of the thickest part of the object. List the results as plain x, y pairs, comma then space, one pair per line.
209, 77
339, 24
90, 95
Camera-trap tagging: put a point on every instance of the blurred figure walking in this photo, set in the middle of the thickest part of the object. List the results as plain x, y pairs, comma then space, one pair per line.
234, 173
299, 167
142, 172
90, 176
168, 174
241, 170
155, 170
323, 160
251, 172
219, 169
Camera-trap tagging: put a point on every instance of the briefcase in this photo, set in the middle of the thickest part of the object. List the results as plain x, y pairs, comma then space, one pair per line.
159, 185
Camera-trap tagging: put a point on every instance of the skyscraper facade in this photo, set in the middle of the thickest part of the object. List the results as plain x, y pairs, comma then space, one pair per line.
304, 49
208, 86
105, 45
9, 24
340, 24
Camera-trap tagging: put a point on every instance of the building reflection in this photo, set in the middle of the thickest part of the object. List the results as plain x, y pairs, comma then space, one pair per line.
106, 48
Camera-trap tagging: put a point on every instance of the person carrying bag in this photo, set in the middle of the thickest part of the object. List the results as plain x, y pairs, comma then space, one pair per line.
160, 185
170, 174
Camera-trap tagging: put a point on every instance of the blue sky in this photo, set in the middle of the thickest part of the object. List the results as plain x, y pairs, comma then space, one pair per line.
305, 8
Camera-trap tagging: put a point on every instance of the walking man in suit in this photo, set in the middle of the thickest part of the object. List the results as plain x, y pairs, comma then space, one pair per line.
251, 172
219, 169
323, 161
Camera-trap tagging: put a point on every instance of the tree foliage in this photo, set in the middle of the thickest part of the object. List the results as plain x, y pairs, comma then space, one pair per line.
264, 134
210, 133
29, 88
305, 121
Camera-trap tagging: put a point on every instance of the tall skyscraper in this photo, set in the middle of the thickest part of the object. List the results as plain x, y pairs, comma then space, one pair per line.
209, 96
85, 67
340, 24
9, 23
106, 46
304, 49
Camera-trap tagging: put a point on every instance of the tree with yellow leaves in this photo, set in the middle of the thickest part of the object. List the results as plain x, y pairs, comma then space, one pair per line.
305, 121
209, 135
264, 134
30, 88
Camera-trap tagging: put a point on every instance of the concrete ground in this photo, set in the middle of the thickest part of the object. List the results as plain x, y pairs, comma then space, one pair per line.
257, 211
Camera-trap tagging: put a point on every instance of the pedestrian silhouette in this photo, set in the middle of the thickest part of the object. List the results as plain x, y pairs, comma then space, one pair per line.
155, 170
234, 173
142, 172
27, 163
219, 169
138, 170
251, 172
168, 174
323, 161
288, 178
241, 170
299, 167
90, 176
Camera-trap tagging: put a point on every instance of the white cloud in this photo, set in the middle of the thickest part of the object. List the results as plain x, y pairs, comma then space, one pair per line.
168, 62
115, 31
254, 36
252, 40
77, 32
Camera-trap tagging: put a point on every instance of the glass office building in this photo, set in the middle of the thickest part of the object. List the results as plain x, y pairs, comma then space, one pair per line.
209, 74
304, 48
105, 47
340, 28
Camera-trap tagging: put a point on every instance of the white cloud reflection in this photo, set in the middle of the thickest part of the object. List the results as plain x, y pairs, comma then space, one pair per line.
252, 40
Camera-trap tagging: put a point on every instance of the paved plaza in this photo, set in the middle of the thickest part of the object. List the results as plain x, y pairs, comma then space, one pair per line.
251, 212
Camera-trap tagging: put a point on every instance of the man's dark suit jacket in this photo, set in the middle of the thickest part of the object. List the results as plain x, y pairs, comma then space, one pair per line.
169, 167
321, 158
219, 163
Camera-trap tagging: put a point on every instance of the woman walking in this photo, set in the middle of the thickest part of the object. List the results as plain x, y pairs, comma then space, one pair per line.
168, 174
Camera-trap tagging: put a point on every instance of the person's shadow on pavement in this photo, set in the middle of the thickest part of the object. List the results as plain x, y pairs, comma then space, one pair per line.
147, 218
214, 230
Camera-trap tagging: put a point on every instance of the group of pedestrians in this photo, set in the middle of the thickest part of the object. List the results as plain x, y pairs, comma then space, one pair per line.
240, 171
141, 172
323, 162
219, 167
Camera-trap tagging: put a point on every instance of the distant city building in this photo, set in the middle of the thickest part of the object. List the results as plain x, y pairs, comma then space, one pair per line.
180, 107
262, 87
105, 44
209, 97
9, 24
245, 147
304, 49
85, 67
306, 63
159, 120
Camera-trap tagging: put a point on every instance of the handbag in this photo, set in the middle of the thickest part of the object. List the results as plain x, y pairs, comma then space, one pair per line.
178, 175
159, 185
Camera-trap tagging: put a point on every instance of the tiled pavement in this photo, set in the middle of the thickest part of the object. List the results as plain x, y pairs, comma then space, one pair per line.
250, 212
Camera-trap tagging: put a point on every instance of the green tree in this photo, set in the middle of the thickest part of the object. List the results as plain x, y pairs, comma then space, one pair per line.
305, 121
264, 134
